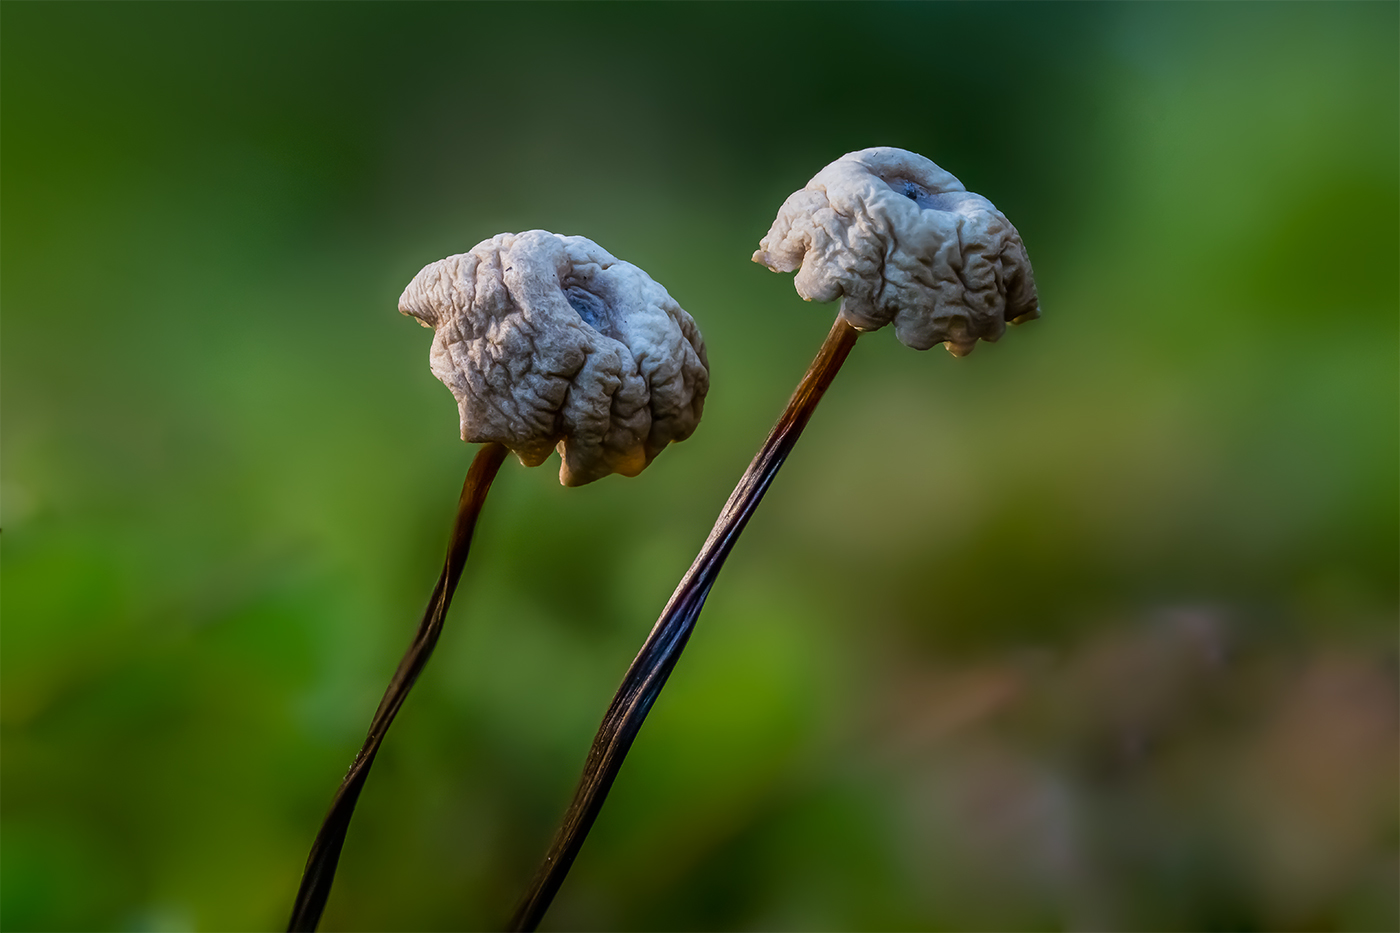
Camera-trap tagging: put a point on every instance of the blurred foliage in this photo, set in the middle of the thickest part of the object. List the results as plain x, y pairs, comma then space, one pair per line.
1094, 629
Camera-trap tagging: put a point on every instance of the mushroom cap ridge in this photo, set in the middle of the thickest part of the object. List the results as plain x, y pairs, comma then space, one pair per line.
550, 341
901, 241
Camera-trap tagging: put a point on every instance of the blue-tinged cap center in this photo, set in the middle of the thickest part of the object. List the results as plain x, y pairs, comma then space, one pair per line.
589, 307
916, 192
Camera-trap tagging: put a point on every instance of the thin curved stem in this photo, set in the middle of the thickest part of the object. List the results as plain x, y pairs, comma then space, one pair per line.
668, 638
325, 851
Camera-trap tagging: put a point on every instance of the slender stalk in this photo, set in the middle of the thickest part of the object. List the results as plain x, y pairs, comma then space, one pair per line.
668, 638
325, 851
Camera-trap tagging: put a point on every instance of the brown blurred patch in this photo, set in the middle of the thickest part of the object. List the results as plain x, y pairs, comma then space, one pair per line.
1157, 774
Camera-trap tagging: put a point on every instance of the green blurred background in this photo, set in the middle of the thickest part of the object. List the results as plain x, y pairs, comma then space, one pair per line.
1096, 628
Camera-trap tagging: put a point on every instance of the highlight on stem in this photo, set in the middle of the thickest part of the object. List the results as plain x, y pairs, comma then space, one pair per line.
547, 343
898, 240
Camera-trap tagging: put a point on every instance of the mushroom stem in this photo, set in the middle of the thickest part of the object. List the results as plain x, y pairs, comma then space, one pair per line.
663, 647
325, 851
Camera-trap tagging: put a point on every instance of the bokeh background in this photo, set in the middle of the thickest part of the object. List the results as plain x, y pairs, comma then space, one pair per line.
1096, 628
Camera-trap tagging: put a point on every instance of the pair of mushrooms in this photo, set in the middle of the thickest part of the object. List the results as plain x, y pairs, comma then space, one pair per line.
549, 342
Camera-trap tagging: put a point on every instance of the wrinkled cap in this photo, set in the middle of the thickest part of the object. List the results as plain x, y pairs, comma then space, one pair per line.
551, 342
899, 240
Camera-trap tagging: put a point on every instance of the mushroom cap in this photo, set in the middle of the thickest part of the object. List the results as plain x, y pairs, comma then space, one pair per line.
897, 238
550, 341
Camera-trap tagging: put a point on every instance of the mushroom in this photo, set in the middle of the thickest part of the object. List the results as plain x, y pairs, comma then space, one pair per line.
899, 240
547, 342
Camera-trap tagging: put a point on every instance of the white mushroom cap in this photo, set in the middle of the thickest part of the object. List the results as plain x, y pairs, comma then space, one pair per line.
899, 239
550, 341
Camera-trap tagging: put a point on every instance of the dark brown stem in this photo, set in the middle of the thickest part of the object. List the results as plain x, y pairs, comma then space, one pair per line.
668, 638
325, 851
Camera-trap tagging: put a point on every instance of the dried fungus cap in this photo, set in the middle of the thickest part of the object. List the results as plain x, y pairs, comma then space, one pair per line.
550, 341
899, 239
